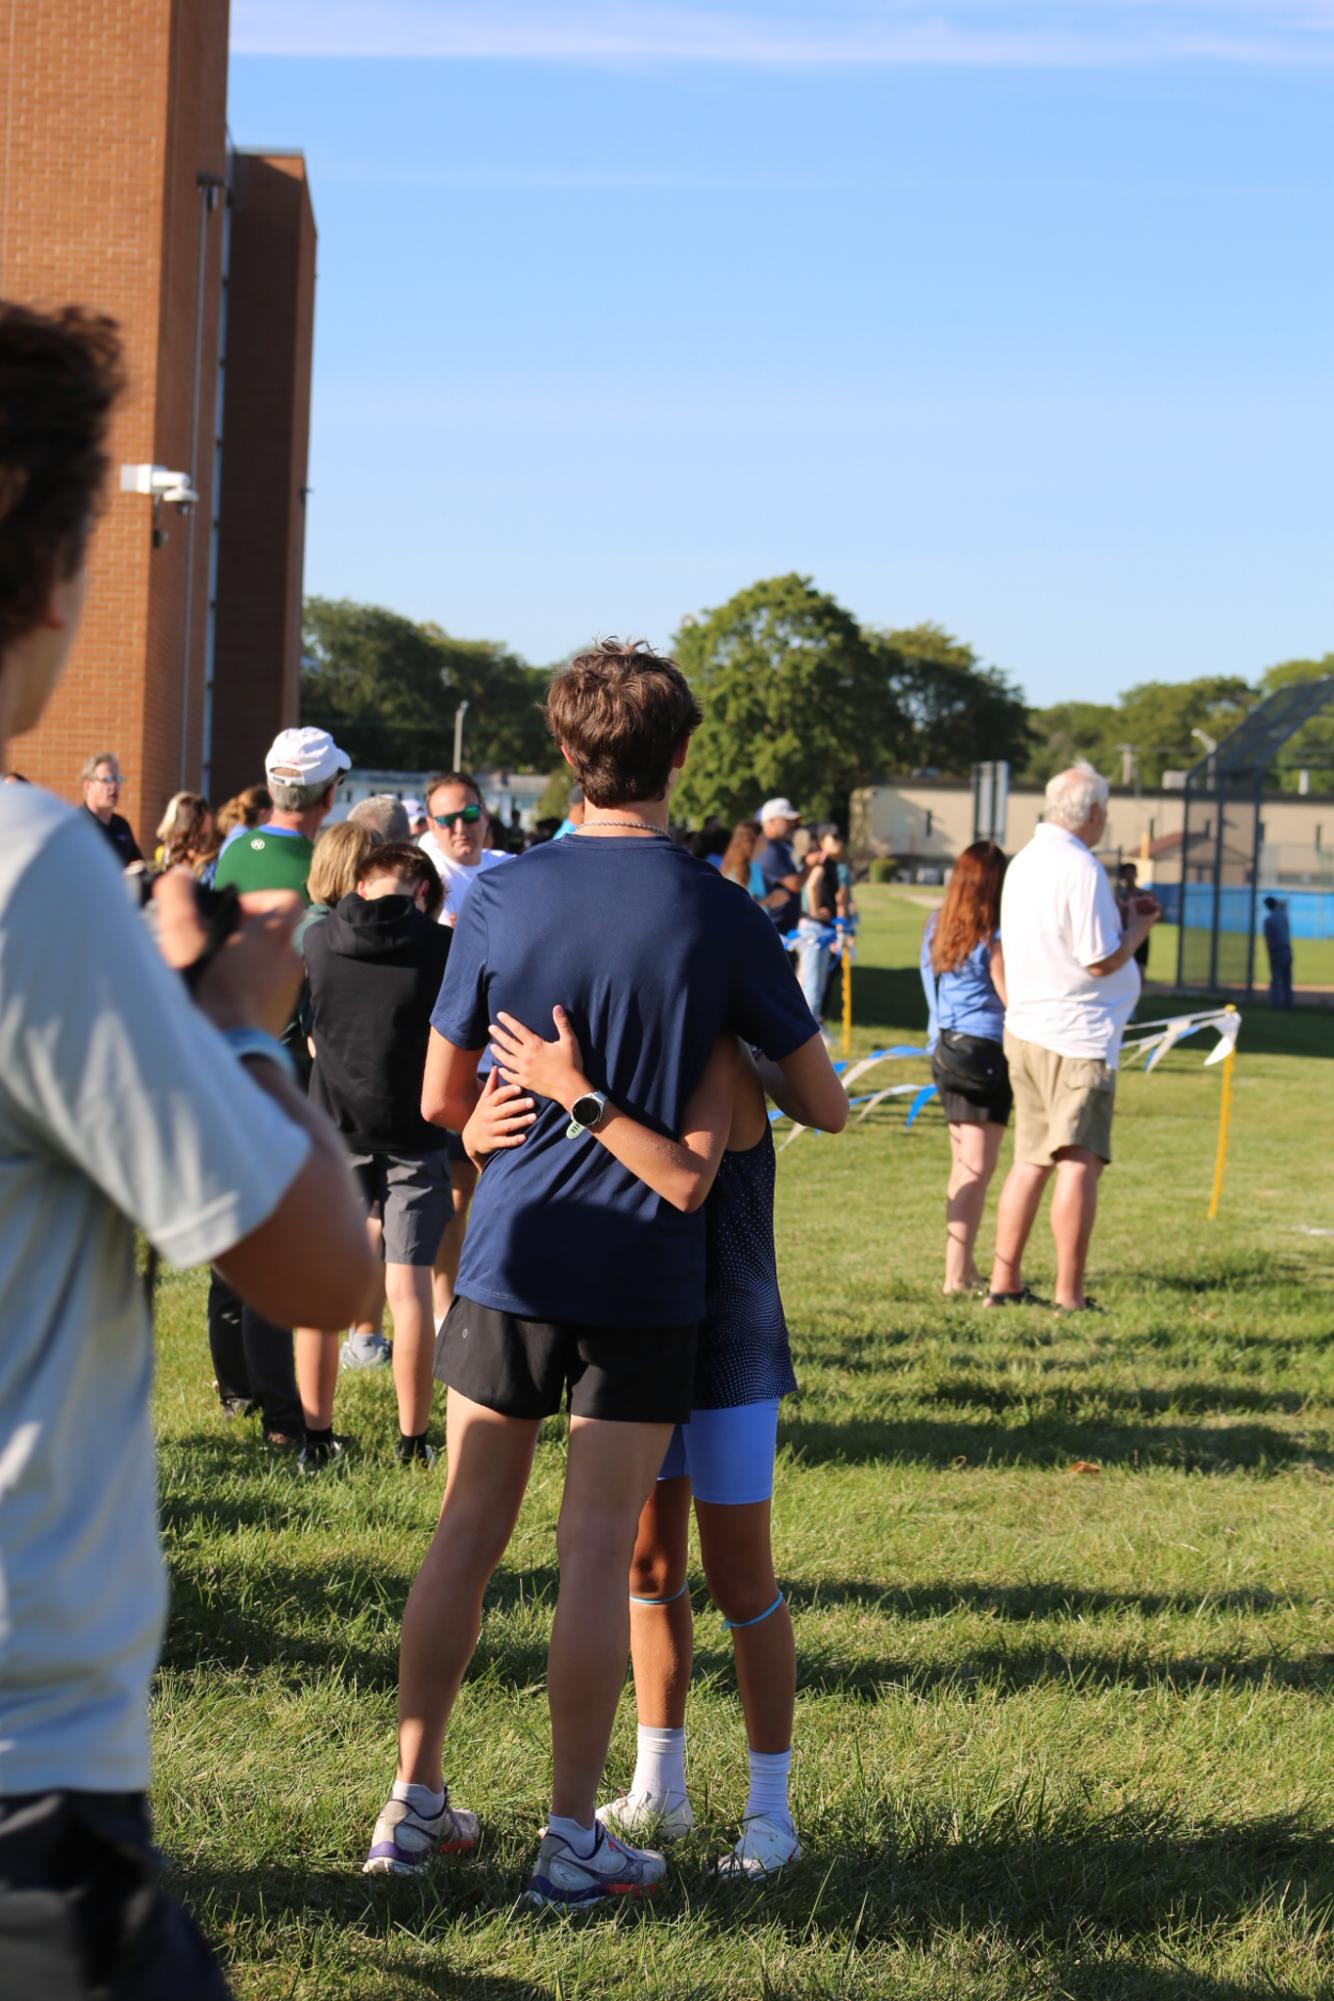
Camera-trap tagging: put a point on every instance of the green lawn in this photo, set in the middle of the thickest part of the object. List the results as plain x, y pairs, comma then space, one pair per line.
1059, 1734
1312, 958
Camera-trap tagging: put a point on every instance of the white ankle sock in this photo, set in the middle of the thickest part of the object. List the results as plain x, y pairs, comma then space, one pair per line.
422, 1799
660, 1765
768, 1786
583, 1840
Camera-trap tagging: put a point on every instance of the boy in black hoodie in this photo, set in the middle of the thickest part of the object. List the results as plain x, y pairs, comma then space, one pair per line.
375, 967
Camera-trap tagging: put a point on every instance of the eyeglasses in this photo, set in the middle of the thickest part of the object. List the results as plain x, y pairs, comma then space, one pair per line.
469, 815
117, 779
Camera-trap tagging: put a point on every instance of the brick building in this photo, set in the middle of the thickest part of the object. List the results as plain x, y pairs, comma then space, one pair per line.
118, 191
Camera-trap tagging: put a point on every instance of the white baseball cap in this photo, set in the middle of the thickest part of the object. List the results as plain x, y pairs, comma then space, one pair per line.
305, 757
413, 808
778, 809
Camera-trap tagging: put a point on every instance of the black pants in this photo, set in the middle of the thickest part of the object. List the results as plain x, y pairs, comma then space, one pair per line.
253, 1359
82, 1910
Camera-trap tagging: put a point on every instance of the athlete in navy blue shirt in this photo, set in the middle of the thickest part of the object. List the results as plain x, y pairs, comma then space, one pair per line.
576, 1281
651, 953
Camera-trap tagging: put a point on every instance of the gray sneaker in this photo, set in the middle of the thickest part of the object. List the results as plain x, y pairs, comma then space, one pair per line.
614, 1869
364, 1351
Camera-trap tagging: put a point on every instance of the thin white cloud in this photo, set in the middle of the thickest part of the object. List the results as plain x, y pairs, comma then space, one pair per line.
799, 33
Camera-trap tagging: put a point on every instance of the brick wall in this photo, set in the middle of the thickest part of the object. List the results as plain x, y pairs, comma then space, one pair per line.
108, 110
270, 325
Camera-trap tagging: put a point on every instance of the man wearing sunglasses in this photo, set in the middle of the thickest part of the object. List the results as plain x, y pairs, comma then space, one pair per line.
456, 838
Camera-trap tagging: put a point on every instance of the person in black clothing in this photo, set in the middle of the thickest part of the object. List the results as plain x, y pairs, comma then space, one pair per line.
101, 780
1127, 889
375, 967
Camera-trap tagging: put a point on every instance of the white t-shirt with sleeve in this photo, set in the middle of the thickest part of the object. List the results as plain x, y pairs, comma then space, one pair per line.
1058, 917
457, 878
121, 1108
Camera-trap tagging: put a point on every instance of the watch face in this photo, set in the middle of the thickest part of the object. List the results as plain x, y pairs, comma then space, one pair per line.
586, 1111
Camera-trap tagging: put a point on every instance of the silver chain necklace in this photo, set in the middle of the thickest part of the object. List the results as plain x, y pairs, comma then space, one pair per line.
644, 826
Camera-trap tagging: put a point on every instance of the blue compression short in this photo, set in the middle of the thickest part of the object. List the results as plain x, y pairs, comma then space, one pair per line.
727, 1455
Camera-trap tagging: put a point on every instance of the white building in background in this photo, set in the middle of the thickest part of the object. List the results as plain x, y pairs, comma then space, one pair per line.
925, 823
503, 791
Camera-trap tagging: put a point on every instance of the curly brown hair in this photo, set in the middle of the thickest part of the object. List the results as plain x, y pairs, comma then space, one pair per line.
60, 375
619, 713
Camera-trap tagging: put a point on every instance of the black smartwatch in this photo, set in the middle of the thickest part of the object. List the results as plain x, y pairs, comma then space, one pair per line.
586, 1113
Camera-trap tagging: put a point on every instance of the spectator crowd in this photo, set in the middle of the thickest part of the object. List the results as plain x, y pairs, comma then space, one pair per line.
520, 1102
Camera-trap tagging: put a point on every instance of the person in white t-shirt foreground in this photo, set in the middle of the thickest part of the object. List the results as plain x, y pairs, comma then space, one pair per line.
127, 1103
1072, 984
456, 843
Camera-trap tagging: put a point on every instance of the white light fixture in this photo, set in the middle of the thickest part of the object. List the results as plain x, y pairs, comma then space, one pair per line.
159, 484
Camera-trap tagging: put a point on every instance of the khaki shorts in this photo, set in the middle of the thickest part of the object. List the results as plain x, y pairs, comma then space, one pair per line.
1059, 1101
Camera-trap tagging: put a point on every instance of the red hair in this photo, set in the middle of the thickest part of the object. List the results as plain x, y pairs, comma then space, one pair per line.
971, 910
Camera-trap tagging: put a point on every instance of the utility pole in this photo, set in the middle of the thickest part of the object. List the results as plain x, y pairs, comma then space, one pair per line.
459, 713
1127, 751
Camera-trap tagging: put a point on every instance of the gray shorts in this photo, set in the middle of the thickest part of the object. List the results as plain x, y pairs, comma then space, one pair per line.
410, 1193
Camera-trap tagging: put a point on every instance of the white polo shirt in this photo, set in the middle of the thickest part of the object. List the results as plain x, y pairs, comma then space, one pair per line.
1058, 917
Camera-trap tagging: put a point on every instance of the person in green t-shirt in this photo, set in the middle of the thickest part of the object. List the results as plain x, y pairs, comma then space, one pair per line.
302, 768
253, 1361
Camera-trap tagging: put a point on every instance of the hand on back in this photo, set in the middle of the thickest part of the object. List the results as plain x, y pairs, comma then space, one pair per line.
553, 1069
501, 1119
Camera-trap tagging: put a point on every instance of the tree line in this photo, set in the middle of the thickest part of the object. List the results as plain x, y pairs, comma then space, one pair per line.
798, 696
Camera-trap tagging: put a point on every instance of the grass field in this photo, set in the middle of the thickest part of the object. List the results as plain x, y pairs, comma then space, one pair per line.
1059, 1734
1313, 959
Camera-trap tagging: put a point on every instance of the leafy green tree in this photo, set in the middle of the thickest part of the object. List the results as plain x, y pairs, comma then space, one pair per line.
1068, 731
388, 689
1312, 747
958, 712
1157, 719
795, 699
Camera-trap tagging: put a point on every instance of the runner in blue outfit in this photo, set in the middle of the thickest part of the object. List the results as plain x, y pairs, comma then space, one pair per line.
723, 1456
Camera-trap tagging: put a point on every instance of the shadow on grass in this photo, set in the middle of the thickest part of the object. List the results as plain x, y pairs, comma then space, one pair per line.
1124, 1981
1066, 1400
1047, 1887
894, 994
342, 1618
1053, 1440
1021, 1601
1008, 1671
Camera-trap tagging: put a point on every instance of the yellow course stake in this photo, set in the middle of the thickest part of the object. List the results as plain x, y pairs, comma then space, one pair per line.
1224, 1120
847, 995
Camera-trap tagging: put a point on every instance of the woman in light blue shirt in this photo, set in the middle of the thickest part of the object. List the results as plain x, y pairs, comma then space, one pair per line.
963, 973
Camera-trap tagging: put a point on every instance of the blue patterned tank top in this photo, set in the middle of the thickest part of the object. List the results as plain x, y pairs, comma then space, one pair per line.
743, 1346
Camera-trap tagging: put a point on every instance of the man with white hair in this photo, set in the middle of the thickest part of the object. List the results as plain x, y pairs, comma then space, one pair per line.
386, 816
1072, 985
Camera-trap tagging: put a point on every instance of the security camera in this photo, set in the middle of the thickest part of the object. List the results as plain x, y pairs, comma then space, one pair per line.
160, 485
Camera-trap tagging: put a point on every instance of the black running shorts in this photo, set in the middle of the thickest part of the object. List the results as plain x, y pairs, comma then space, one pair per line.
528, 1368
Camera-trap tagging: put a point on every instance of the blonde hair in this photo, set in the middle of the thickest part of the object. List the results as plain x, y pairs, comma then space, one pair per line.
340, 855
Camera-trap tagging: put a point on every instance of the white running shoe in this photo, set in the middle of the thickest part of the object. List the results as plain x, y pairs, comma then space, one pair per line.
570, 1882
764, 1848
405, 1841
639, 1814
364, 1351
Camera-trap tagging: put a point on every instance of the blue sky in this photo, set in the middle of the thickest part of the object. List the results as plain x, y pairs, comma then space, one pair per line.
1013, 317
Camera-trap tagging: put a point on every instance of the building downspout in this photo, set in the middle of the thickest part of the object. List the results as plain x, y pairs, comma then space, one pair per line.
215, 504
209, 187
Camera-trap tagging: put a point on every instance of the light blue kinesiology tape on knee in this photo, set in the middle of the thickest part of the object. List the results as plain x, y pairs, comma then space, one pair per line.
660, 1601
739, 1625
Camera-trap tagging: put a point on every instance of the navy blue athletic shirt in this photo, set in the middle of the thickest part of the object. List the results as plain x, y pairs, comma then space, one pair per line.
652, 954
